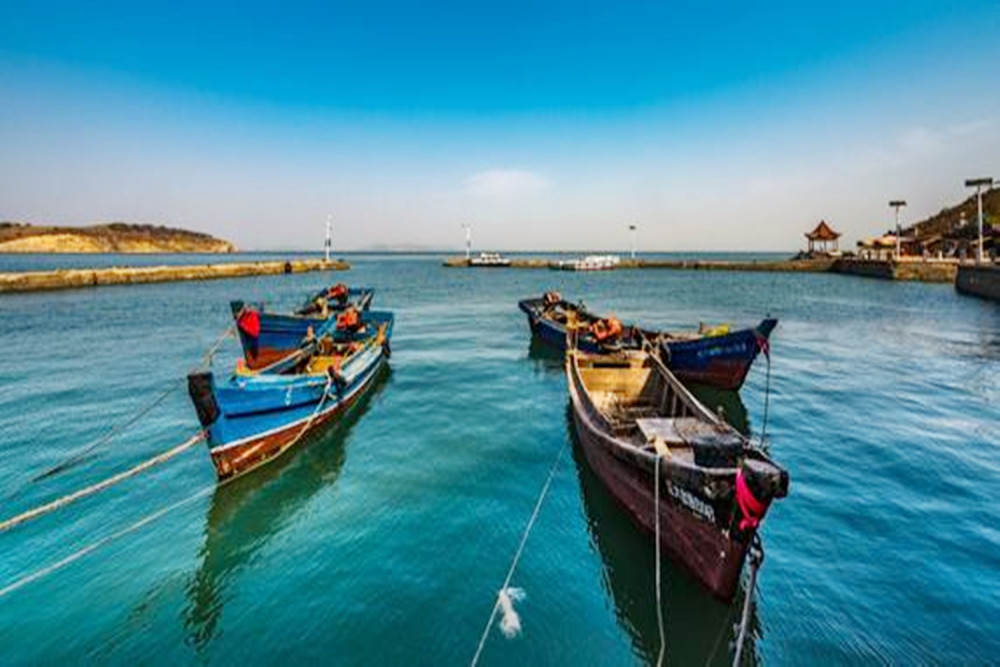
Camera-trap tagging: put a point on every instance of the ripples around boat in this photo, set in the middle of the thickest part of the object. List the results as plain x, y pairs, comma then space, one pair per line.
385, 539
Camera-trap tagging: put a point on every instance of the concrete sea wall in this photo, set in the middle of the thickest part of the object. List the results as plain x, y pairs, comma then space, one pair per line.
31, 281
930, 272
981, 281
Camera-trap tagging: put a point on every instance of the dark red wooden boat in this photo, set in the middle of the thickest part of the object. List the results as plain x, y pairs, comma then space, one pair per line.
715, 485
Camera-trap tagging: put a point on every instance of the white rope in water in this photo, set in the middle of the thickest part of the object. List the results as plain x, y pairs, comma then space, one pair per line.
94, 546
102, 485
656, 547
506, 595
120, 428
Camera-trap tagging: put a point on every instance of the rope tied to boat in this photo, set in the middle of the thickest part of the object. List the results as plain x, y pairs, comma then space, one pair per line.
765, 346
80, 455
506, 596
102, 485
756, 555
656, 548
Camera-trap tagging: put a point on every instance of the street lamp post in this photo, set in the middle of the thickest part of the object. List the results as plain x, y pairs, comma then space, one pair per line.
897, 204
329, 241
632, 229
468, 240
978, 184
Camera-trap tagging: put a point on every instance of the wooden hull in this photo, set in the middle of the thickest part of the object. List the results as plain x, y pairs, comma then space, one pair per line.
231, 461
696, 508
253, 418
722, 361
281, 334
712, 558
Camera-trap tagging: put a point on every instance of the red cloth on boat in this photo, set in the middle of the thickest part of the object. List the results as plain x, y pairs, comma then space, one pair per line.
249, 323
753, 510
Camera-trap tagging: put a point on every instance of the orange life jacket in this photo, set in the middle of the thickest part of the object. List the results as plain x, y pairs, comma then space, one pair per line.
349, 320
608, 329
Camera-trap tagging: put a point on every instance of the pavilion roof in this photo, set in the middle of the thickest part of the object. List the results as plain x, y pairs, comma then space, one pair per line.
823, 232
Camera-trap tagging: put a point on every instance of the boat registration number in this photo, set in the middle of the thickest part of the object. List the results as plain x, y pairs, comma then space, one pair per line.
693, 503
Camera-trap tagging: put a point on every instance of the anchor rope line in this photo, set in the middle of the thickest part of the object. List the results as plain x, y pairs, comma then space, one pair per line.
656, 547
756, 559
94, 546
305, 427
68, 499
120, 428
767, 399
148, 519
517, 555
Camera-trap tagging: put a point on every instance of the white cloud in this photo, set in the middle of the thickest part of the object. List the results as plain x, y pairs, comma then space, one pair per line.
505, 184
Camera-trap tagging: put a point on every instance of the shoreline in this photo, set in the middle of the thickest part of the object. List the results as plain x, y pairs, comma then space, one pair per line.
909, 270
35, 281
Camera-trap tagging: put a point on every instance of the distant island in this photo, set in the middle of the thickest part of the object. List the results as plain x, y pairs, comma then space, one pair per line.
115, 237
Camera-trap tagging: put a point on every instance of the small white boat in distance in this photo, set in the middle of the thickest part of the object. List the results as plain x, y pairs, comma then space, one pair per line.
489, 259
588, 263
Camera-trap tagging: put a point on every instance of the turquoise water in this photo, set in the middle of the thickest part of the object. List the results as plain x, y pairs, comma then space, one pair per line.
385, 539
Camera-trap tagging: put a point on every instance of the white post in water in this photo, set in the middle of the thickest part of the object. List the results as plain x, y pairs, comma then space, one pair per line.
468, 240
978, 184
329, 240
896, 204
632, 229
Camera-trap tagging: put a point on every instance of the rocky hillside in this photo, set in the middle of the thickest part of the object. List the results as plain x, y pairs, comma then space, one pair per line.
948, 222
116, 237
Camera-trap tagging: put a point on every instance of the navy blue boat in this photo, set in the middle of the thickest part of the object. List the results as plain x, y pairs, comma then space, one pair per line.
253, 417
718, 358
268, 337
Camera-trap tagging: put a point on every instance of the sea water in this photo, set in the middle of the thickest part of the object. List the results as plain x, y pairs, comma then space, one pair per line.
385, 539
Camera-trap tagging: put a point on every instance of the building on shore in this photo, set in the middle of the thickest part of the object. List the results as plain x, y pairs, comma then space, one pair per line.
823, 241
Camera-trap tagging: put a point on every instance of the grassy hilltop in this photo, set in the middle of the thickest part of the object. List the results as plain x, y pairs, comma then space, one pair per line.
116, 237
948, 222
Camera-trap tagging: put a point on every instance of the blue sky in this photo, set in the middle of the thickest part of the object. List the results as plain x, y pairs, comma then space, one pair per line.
545, 125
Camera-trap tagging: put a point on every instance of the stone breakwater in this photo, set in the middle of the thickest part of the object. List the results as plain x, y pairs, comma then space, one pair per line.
809, 266
982, 281
32, 281
923, 271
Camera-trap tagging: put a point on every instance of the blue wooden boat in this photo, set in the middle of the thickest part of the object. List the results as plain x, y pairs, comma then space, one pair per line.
253, 417
718, 358
268, 337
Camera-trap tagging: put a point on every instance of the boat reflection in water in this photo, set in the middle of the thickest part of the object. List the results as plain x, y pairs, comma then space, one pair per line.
698, 628
545, 358
249, 511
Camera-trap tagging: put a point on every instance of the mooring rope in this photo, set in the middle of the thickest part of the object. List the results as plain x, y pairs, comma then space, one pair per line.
656, 514
102, 485
117, 430
94, 546
517, 555
326, 394
756, 559
767, 399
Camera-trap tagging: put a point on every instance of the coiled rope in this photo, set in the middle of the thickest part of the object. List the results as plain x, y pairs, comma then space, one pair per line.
517, 555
